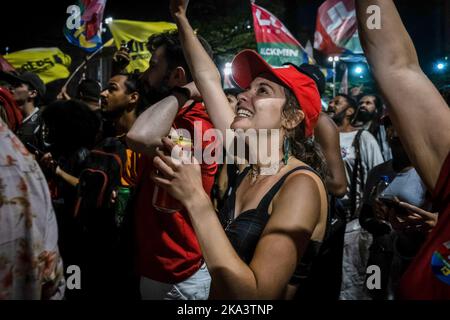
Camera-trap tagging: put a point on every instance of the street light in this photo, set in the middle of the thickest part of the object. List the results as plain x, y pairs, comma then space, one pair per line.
441, 65
334, 60
227, 72
227, 69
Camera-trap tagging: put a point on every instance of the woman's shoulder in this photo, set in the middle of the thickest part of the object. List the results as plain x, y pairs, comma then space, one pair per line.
301, 199
303, 177
302, 180
303, 170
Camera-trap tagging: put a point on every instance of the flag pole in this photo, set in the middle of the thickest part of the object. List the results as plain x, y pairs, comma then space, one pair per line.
334, 78
86, 60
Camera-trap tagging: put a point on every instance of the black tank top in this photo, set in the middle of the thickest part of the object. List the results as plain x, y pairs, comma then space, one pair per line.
245, 231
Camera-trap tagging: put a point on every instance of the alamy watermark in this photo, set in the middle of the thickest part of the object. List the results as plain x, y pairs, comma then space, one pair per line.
373, 281
374, 21
73, 277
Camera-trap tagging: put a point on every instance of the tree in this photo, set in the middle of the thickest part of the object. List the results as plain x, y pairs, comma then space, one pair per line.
228, 25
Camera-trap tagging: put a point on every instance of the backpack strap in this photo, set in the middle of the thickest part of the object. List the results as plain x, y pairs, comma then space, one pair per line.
268, 197
357, 169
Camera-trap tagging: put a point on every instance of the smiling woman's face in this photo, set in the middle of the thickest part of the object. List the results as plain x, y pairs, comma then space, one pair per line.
260, 107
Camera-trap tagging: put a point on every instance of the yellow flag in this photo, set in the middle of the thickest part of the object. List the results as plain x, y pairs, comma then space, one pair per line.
135, 34
49, 64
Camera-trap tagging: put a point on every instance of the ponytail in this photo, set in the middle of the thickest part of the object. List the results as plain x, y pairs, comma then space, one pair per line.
302, 147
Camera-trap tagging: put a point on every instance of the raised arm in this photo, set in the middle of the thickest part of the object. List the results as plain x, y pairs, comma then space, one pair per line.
327, 136
154, 124
203, 69
418, 112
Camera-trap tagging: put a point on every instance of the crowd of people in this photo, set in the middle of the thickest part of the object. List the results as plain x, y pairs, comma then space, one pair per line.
100, 181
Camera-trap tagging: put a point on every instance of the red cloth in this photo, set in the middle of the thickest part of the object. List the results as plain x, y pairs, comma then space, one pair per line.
13, 114
5, 65
335, 26
168, 250
428, 276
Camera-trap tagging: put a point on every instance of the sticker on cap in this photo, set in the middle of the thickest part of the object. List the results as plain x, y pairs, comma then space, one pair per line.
440, 263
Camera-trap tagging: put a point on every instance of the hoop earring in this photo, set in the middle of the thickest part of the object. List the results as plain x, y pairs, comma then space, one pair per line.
286, 150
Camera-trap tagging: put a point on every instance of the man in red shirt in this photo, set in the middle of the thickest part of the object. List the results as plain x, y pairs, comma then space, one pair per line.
422, 119
169, 259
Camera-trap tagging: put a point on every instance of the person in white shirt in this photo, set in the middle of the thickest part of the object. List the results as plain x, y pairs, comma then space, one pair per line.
360, 152
342, 109
30, 265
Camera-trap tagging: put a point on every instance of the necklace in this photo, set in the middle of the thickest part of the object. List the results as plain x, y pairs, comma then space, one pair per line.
255, 171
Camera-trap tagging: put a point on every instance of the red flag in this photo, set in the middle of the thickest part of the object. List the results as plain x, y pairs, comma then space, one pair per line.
93, 16
269, 29
275, 43
5, 66
336, 27
10, 108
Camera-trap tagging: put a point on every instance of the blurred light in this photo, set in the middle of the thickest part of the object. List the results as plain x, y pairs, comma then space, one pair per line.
358, 70
440, 66
109, 20
227, 70
333, 58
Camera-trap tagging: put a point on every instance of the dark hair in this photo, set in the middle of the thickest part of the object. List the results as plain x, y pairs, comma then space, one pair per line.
350, 101
233, 91
36, 100
376, 121
131, 82
314, 73
377, 100
174, 50
88, 90
71, 124
303, 148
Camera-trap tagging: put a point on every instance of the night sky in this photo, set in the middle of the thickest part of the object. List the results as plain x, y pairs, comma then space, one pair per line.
39, 23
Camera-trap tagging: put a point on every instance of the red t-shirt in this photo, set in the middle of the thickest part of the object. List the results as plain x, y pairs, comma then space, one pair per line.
428, 276
167, 247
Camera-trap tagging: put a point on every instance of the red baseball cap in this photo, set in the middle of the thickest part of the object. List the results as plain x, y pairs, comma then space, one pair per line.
248, 64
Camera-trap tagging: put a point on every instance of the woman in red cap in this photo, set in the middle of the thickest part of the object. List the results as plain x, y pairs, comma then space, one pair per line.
271, 228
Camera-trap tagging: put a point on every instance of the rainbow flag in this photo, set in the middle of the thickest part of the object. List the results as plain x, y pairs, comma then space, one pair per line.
83, 27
